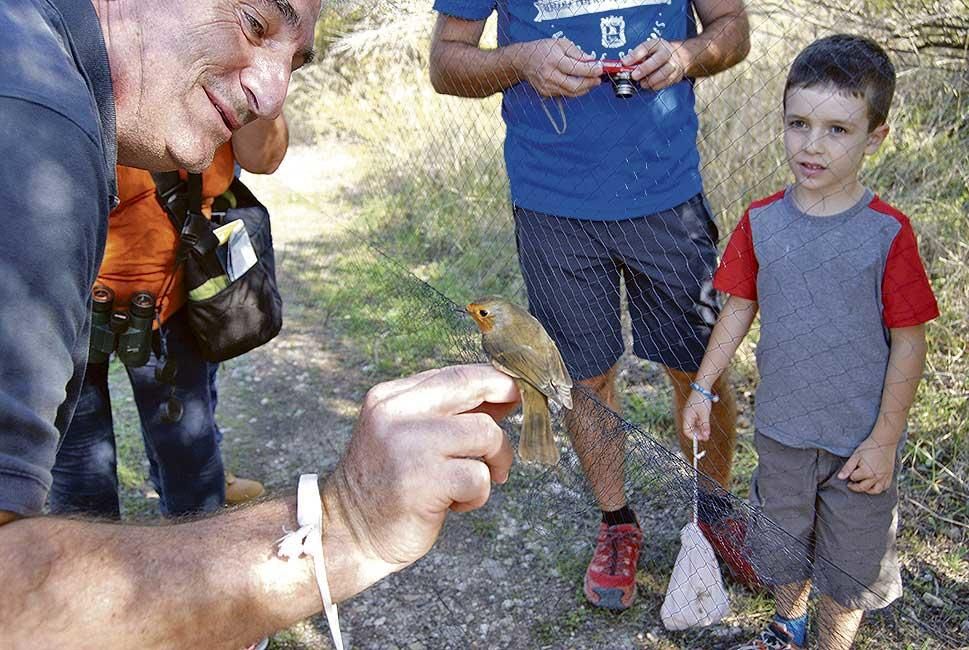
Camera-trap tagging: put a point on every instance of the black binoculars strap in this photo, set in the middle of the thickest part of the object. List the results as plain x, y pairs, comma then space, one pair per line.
182, 202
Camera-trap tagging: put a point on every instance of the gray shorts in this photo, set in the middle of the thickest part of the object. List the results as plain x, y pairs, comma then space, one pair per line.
810, 526
572, 269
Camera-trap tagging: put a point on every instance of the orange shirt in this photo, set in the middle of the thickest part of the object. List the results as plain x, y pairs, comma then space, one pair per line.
140, 251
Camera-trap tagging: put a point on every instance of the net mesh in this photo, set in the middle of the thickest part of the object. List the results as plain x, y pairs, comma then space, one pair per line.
435, 229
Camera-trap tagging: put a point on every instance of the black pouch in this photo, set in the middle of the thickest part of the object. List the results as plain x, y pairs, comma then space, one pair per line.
227, 318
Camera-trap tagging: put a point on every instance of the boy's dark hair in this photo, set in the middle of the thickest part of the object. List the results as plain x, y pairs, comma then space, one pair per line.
853, 64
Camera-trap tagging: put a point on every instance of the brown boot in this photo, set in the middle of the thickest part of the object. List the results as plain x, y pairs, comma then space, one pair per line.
240, 490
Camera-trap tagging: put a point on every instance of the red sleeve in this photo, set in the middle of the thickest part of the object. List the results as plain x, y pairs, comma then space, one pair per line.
906, 293
737, 274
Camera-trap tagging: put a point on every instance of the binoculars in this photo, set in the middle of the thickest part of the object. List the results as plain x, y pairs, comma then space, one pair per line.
126, 332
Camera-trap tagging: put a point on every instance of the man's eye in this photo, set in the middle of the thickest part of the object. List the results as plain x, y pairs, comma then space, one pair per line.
257, 27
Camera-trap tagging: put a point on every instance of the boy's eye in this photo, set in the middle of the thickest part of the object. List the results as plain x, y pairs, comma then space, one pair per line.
257, 28
838, 130
796, 124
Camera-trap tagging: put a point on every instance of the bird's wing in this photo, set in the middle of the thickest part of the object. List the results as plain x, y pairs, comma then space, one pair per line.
560, 379
524, 362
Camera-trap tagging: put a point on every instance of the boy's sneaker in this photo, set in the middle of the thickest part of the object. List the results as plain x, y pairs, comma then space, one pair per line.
610, 580
775, 637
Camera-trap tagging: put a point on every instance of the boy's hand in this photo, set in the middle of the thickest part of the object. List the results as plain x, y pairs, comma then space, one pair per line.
871, 468
696, 416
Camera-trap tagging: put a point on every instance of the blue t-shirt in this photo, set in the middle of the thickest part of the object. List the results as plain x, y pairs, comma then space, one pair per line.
617, 158
57, 161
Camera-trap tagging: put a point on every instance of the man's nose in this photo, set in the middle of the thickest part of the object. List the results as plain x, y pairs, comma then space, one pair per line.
266, 82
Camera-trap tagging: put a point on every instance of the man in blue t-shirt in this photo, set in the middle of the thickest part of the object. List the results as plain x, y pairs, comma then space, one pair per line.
606, 187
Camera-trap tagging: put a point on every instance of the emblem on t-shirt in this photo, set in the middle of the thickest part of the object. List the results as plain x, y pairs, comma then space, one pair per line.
554, 9
613, 31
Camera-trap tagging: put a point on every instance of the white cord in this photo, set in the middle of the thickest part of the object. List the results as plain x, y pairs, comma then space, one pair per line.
308, 540
555, 125
696, 478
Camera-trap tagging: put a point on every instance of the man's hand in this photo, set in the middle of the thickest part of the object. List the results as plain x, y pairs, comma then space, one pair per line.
696, 416
556, 67
423, 445
871, 468
659, 63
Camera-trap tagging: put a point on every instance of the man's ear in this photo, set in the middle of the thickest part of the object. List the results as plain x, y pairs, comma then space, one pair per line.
875, 138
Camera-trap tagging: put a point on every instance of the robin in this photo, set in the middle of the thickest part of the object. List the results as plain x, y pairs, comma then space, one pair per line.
519, 346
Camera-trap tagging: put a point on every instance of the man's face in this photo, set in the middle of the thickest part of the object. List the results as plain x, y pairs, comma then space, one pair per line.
198, 70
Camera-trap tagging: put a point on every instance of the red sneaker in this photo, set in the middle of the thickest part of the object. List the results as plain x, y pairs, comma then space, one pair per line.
726, 529
610, 580
727, 538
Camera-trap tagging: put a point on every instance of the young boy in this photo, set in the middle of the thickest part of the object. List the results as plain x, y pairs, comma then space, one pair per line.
843, 297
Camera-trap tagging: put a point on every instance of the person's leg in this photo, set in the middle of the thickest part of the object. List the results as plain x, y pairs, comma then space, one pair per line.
669, 259
85, 479
718, 460
779, 541
601, 452
857, 564
837, 625
190, 469
238, 490
573, 290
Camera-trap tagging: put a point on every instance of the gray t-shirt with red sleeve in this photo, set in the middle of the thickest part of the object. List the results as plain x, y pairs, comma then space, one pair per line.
829, 289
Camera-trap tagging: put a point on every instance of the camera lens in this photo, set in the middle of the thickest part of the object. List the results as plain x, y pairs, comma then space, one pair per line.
625, 87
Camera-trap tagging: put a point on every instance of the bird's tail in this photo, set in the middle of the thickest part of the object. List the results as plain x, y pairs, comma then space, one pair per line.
537, 443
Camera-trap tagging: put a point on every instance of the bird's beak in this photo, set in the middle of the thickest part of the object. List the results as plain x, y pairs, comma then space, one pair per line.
472, 311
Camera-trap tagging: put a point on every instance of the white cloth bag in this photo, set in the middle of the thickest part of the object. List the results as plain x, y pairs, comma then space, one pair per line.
695, 596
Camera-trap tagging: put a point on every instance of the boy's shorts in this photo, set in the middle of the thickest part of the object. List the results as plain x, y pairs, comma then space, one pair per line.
842, 540
572, 269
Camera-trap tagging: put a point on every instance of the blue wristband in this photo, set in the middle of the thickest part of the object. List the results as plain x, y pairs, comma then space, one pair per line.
713, 397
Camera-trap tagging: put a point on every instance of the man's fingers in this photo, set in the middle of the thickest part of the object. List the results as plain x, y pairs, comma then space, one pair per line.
498, 412
651, 65
641, 51
573, 51
453, 390
476, 435
386, 390
469, 484
582, 69
665, 76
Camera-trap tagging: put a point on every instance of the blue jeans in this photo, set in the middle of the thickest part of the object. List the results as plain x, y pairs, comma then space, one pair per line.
186, 463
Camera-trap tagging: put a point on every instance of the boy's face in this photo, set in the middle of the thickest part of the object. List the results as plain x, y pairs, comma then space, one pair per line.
826, 138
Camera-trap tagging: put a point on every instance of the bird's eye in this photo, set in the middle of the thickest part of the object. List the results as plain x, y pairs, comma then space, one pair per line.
482, 312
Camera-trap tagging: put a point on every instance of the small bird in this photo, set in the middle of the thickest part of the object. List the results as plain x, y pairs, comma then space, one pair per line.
520, 347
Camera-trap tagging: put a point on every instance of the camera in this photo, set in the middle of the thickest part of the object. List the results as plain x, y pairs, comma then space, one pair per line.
127, 332
621, 77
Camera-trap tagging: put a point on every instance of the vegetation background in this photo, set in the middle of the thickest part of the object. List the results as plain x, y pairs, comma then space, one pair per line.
392, 208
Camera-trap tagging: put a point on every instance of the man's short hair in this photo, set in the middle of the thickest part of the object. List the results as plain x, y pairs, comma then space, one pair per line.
852, 64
